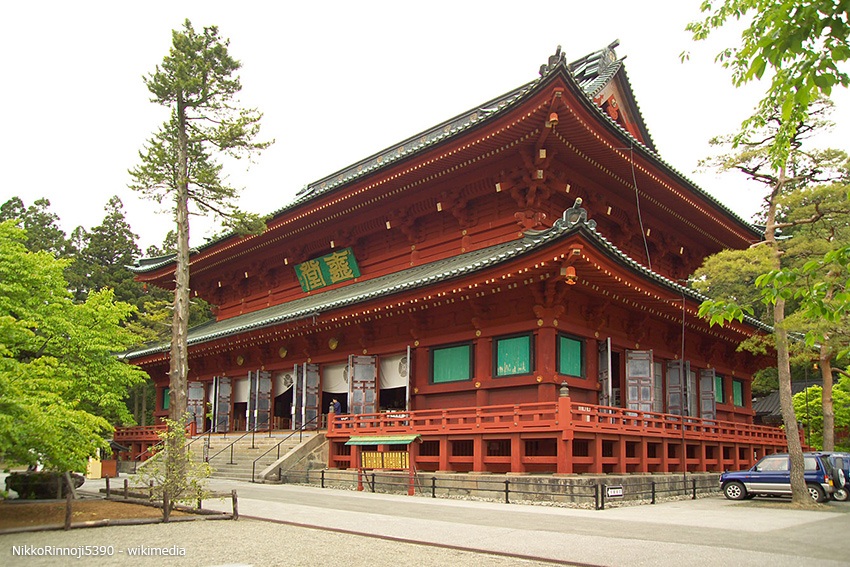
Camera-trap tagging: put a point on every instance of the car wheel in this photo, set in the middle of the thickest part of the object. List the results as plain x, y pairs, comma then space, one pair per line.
842, 494
816, 492
735, 491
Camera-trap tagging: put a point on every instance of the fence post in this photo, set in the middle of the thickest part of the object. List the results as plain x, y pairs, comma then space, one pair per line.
596, 495
107, 487
235, 504
507, 491
602, 496
653, 491
433, 487
67, 509
373, 482
694, 496
151, 490
126, 489
323, 478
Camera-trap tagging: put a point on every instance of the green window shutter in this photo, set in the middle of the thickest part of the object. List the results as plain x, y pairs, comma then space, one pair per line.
452, 364
166, 398
569, 356
513, 356
738, 393
719, 396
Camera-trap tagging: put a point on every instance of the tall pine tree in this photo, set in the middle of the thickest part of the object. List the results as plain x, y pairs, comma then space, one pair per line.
197, 82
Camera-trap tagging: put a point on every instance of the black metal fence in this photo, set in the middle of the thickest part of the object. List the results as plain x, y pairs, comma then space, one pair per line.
595, 492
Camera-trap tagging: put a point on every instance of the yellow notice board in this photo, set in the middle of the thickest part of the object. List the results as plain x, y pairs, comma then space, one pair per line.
387, 460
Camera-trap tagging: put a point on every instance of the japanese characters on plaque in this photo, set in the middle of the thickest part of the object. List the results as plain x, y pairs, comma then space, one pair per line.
386, 460
332, 268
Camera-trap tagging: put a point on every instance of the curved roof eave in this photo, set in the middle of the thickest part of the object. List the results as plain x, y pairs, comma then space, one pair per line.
648, 152
462, 123
421, 276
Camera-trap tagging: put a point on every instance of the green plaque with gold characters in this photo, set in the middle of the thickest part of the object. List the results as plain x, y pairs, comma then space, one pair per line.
326, 270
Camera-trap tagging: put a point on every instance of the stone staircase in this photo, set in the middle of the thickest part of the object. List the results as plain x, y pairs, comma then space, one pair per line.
236, 459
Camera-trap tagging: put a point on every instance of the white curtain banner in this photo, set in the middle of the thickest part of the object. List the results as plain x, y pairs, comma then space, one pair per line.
394, 371
240, 390
282, 381
335, 378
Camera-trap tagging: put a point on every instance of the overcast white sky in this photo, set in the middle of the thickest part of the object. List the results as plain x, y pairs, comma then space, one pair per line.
337, 81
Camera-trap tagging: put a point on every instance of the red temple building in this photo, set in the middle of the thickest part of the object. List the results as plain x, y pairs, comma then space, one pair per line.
507, 288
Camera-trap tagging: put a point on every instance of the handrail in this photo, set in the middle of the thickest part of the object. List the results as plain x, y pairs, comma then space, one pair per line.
138, 458
282, 441
232, 443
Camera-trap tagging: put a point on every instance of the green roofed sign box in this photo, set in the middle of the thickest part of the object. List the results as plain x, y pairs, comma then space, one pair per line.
326, 270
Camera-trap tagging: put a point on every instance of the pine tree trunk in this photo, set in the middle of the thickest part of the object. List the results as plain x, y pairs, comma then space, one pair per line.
828, 410
799, 491
178, 369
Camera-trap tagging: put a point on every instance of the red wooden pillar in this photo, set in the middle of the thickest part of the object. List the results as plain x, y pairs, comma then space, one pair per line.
546, 347
413, 455
596, 466
565, 461
703, 463
665, 455
444, 455
420, 374
355, 458
643, 448
479, 447
160, 395
622, 443
483, 359
564, 422
516, 453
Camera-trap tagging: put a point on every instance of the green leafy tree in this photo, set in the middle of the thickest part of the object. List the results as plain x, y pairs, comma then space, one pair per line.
41, 225
186, 482
61, 385
818, 221
197, 82
809, 406
103, 255
799, 45
802, 169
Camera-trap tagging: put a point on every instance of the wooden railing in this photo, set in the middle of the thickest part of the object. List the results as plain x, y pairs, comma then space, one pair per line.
140, 433
585, 417
545, 416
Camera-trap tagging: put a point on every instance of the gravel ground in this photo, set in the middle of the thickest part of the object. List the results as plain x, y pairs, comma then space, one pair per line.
243, 542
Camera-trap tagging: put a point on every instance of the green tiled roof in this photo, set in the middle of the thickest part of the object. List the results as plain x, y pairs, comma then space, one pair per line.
590, 74
382, 440
574, 220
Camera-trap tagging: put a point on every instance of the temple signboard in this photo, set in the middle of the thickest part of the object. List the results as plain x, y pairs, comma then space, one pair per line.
326, 270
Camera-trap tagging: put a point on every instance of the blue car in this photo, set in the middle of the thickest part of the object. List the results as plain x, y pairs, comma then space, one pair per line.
771, 476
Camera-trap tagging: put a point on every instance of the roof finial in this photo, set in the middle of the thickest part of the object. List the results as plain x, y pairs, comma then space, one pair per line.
575, 215
553, 61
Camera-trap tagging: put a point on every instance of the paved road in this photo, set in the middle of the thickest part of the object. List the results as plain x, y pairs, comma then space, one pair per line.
709, 531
